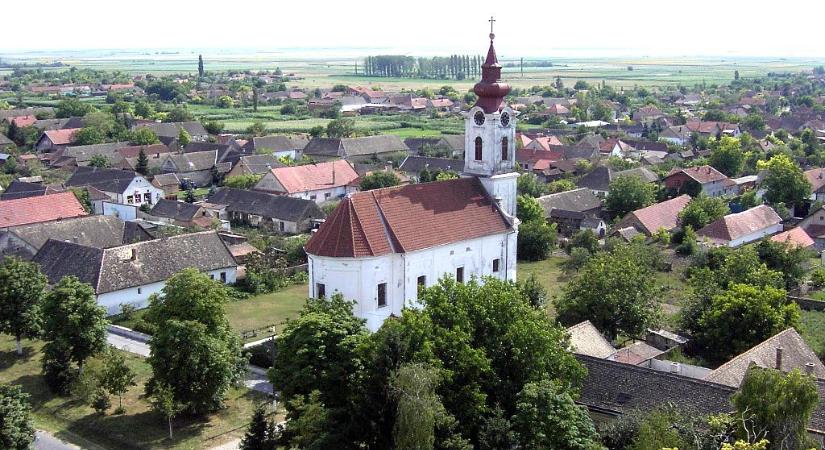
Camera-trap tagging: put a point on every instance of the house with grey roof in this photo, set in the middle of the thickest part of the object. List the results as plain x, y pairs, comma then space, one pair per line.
280, 213
93, 231
171, 130
254, 165
182, 214
279, 145
412, 165
573, 210
81, 155
130, 274
196, 167
23, 189
121, 186
356, 149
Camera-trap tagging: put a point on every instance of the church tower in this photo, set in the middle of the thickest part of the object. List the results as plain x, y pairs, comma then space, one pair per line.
490, 135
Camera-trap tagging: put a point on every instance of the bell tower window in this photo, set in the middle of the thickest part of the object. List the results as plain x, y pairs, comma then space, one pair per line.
505, 144
478, 150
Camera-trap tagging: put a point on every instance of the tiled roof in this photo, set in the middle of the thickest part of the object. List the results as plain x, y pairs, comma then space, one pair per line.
279, 143
795, 355
92, 231
312, 177
22, 189
585, 339
700, 174
579, 200
635, 353
172, 209
661, 215
104, 179
734, 226
817, 178
133, 151
266, 205
39, 209
795, 236
407, 218
61, 137
369, 145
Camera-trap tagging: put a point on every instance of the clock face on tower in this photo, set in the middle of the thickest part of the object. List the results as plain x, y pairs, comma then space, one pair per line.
505, 119
479, 118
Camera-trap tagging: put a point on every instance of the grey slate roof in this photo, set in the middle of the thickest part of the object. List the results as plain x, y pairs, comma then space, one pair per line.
92, 231
616, 388
361, 146
455, 141
279, 143
260, 164
415, 164
266, 205
114, 269
176, 210
578, 200
20, 189
107, 180
172, 130
84, 153
322, 147
642, 172
191, 162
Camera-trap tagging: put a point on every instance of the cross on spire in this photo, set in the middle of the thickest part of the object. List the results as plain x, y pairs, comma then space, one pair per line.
492, 22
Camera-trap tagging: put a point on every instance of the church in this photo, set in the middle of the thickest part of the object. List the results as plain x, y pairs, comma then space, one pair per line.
378, 247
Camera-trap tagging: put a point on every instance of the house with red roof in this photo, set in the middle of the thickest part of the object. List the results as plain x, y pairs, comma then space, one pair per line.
817, 179
795, 237
650, 219
53, 140
43, 208
22, 121
318, 182
700, 179
378, 247
734, 230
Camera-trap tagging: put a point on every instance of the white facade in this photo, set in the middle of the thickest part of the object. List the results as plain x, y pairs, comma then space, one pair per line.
756, 235
138, 296
359, 278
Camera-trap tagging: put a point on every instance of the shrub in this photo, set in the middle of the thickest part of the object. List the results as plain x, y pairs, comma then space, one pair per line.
818, 277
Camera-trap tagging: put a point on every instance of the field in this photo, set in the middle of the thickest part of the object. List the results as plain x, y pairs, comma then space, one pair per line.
139, 427
267, 310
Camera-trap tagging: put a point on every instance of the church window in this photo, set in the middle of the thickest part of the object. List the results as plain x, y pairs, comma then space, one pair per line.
422, 281
479, 153
320, 290
382, 294
459, 274
504, 149
496, 264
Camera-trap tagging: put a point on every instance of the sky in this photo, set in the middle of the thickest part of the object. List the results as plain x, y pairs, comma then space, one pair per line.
425, 27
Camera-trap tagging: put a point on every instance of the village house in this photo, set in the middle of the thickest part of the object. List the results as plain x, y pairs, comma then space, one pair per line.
814, 225
94, 231
371, 248
573, 211
446, 145
130, 274
647, 114
169, 183
356, 149
171, 130
817, 179
254, 165
43, 208
121, 186
195, 167
258, 209
54, 140
279, 145
81, 155
649, 220
713, 129
412, 166
598, 180
23, 189
734, 230
795, 237
700, 179
317, 182
677, 134
182, 214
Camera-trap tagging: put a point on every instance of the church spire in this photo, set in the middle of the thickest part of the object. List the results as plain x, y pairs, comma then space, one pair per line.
491, 90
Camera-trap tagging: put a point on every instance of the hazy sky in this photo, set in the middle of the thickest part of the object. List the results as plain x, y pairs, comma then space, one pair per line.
524, 28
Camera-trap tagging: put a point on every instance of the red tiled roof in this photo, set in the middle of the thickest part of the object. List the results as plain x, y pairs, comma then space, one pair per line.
23, 121
661, 215
795, 236
312, 177
526, 154
43, 208
403, 219
816, 177
734, 226
61, 137
701, 174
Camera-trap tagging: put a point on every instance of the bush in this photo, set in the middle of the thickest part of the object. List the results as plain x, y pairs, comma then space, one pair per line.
818, 277
101, 402
578, 258
689, 244
261, 355
535, 240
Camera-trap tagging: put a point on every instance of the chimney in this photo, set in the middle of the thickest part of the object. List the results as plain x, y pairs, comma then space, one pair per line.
809, 368
134, 254
674, 368
778, 358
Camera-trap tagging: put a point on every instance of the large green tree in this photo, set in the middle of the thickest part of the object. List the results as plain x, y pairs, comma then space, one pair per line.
728, 157
341, 128
536, 239
548, 417
380, 179
703, 210
194, 350
529, 209
22, 288
629, 193
784, 181
776, 406
614, 291
16, 426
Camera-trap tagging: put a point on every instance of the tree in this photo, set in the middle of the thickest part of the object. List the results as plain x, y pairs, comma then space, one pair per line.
100, 161
142, 166
163, 402
225, 101
741, 317
702, 210
116, 377
548, 417
179, 114
612, 290
184, 138
535, 240
535, 293
144, 109
190, 195
528, 209
418, 406
260, 435
341, 128
378, 180
72, 107
201, 72
784, 181
256, 129
16, 426
88, 136
728, 157
529, 184
213, 126
242, 181
194, 350
73, 322
144, 136
785, 258
585, 239
22, 287
629, 193
775, 406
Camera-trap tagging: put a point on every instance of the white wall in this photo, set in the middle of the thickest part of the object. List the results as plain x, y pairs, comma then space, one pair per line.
755, 236
112, 300
141, 186
358, 278
124, 212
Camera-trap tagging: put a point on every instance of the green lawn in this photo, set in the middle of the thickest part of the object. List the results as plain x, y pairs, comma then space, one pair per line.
266, 310
139, 427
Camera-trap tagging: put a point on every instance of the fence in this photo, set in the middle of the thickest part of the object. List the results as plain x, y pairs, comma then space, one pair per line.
808, 304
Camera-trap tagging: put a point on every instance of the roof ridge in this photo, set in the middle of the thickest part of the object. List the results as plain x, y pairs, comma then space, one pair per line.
391, 238
751, 350
648, 370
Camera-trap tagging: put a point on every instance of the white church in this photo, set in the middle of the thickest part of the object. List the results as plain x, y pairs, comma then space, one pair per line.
378, 247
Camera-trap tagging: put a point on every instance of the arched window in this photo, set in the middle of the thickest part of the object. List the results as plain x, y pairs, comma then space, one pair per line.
504, 149
479, 153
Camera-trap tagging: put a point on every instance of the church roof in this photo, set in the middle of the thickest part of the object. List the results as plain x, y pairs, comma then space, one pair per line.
407, 218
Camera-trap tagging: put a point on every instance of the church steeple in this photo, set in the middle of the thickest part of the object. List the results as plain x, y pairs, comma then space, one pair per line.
491, 90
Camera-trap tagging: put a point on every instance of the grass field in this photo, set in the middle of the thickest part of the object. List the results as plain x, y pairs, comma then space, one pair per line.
267, 310
138, 428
